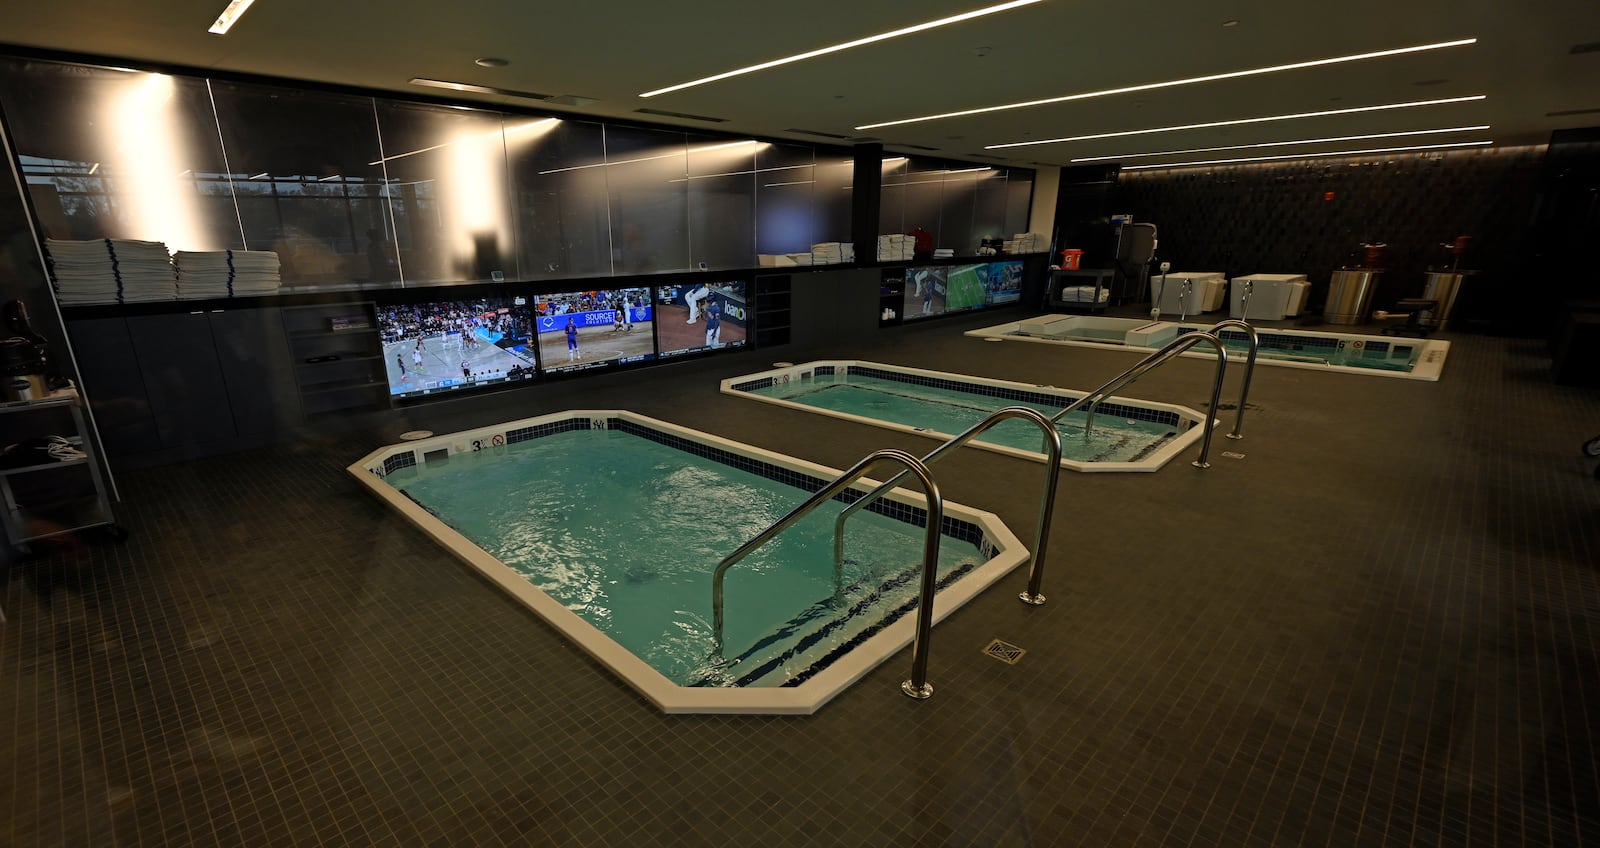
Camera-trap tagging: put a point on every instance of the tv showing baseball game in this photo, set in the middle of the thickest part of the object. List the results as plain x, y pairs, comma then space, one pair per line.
595, 328
701, 316
441, 346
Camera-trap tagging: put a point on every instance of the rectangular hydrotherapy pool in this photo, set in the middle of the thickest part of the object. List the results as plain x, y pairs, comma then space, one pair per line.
609, 525
1128, 435
1349, 353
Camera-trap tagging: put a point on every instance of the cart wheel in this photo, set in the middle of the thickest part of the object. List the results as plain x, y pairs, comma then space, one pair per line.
115, 532
1592, 447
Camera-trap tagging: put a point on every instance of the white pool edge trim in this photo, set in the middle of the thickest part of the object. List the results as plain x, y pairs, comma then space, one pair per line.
1154, 462
656, 688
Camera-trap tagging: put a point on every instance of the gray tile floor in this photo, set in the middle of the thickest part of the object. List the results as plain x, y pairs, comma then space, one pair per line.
1378, 627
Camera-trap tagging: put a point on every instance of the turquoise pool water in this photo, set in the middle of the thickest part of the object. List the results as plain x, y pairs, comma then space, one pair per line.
626, 532
1396, 354
951, 411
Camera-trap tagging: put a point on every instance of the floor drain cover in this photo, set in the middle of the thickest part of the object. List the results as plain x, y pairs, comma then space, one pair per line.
413, 435
1004, 652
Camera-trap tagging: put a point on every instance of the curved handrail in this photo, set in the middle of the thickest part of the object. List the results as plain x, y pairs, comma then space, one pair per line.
917, 686
1144, 366
1046, 504
1179, 345
1249, 367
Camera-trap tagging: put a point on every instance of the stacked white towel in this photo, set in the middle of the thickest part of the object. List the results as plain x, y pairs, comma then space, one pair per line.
111, 271
1025, 243
832, 253
944, 252
896, 247
226, 273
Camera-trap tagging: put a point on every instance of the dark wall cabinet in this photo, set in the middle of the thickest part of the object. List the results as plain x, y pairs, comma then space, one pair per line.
167, 387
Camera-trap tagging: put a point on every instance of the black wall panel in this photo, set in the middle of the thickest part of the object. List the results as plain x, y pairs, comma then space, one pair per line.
1310, 216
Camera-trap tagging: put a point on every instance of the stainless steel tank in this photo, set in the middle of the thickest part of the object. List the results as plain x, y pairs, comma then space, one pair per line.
1442, 286
1350, 295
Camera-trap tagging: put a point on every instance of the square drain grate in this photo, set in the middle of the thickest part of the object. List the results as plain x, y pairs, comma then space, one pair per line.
1004, 652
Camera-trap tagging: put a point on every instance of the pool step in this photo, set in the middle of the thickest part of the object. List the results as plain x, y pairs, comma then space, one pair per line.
809, 641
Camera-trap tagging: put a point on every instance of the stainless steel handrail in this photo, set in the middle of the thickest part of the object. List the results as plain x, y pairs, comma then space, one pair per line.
1047, 501
1143, 366
1181, 344
1249, 367
917, 686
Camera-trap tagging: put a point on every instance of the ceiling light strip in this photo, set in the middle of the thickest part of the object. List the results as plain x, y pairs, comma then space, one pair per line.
1282, 143
1412, 104
1311, 155
229, 15
800, 57
1174, 83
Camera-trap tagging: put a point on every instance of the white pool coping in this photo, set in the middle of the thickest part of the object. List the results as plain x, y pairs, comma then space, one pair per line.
1429, 366
1166, 453
659, 690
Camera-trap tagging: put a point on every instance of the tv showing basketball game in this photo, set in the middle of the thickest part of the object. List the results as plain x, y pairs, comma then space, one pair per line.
599, 328
442, 346
701, 316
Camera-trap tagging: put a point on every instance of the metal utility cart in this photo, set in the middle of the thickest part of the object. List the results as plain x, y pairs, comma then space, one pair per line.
36, 508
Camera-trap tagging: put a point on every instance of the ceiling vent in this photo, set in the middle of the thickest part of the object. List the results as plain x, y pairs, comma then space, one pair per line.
1567, 113
913, 146
573, 100
662, 113
816, 133
864, 139
1591, 47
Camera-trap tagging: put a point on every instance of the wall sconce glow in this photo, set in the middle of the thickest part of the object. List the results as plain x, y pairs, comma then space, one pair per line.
140, 126
1282, 143
1312, 155
1174, 83
1238, 121
812, 54
229, 15
472, 191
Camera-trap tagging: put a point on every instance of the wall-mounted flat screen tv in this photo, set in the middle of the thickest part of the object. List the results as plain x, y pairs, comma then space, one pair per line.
443, 346
594, 328
702, 316
1004, 281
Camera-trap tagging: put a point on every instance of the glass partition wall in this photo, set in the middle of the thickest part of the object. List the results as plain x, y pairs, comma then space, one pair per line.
959, 204
352, 189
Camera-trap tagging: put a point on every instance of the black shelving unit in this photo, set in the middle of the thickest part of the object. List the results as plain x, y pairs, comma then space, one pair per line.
772, 310
338, 357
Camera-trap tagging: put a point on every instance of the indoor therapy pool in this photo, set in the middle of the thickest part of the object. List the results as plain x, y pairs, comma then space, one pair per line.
1128, 435
610, 526
1386, 356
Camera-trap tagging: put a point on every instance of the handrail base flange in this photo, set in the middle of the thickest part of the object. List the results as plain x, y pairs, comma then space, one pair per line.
912, 690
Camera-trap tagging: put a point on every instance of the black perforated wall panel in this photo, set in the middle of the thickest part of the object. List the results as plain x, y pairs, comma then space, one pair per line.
1310, 216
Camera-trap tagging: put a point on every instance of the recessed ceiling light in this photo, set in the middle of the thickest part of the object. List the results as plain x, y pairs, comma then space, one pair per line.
1173, 83
812, 54
1320, 114
491, 62
1282, 143
229, 15
1311, 155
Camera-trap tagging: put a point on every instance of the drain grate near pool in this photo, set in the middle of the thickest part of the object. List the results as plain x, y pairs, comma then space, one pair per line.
1004, 652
